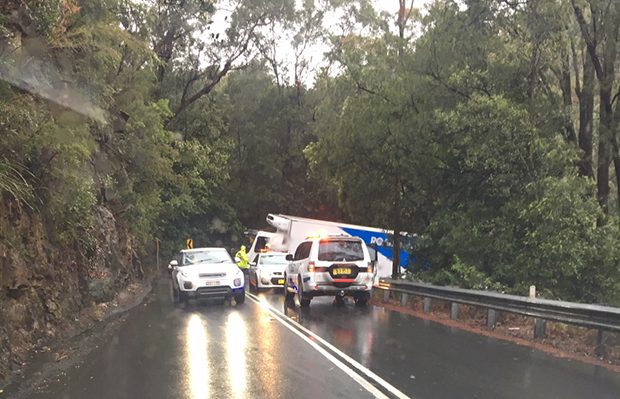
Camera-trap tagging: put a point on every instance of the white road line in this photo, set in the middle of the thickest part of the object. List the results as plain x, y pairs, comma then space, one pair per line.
349, 371
283, 319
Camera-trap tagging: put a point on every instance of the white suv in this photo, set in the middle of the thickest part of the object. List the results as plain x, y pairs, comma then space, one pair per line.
331, 265
206, 273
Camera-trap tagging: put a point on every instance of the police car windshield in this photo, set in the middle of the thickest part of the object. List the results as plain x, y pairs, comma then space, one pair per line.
279, 259
192, 258
340, 250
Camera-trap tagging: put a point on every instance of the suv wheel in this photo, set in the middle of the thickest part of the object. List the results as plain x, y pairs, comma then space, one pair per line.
240, 298
183, 297
174, 293
339, 300
362, 299
304, 301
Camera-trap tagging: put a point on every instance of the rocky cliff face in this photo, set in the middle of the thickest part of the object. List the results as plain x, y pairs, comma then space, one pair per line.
46, 287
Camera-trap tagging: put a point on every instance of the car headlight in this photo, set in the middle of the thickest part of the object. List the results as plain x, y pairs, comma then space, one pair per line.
184, 274
237, 282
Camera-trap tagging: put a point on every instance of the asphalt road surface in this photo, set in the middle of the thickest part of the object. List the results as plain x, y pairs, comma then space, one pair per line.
264, 349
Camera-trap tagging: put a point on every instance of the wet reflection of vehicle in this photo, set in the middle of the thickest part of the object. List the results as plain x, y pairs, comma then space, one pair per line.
267, 270
206, 273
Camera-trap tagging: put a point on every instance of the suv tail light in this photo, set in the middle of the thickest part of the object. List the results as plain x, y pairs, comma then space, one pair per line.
370, 267
310, 267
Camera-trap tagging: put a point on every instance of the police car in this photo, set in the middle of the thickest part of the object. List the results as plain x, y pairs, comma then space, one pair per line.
267, 270
206, 273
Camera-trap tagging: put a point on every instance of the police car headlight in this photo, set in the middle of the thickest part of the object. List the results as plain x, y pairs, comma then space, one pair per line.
237, 282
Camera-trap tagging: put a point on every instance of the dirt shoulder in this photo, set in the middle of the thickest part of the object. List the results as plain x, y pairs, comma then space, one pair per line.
561, 340
93, 326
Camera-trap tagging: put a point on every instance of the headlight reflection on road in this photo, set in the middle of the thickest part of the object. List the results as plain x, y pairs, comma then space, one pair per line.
236, 344
264, 302
268, 332
197, 360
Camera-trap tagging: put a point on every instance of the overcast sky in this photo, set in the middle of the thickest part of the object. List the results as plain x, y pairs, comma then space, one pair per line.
314, 53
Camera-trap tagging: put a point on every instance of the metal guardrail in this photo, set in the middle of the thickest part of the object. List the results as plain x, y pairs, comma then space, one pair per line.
585, 315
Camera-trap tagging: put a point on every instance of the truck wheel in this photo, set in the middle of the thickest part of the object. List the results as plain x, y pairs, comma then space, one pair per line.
240, 298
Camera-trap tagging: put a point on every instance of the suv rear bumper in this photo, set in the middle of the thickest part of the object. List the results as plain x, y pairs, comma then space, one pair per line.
322, 284
323, 289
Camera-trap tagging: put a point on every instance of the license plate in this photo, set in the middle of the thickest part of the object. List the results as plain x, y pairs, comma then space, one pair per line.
281, 281
339, 271
212, 283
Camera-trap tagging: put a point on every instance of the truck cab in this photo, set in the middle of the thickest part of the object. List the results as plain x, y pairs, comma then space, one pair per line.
260, 243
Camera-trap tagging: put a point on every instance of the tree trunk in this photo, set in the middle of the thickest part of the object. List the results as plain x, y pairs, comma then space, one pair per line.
604, 146
608, 23
586, 118
397, 229
616, 149
403, 16
402, 9
567, 98
607, 128
617, 170
396, 258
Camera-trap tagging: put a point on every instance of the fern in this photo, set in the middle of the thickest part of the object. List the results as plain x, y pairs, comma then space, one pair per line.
14, 183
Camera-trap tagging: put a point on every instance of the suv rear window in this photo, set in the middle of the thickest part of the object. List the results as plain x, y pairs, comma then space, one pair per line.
340, 250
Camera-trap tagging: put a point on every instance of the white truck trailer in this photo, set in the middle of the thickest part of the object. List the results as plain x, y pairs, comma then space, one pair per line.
292, 230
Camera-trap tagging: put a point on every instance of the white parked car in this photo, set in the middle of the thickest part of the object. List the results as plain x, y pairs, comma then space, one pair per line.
206, 273
267, 270
331, 265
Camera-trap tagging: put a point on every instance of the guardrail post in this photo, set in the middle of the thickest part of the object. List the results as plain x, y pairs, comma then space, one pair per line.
428, 304
491, 318
386, 296
404, 299
601, 349
454, 311
539, 328
540, 325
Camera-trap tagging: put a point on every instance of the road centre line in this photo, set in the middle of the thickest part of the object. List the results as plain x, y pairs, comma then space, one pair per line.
354, 369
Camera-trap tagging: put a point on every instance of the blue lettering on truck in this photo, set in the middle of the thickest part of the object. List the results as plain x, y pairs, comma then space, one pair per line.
381, 239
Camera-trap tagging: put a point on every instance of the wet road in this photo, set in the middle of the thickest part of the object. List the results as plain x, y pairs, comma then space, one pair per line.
257, 350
